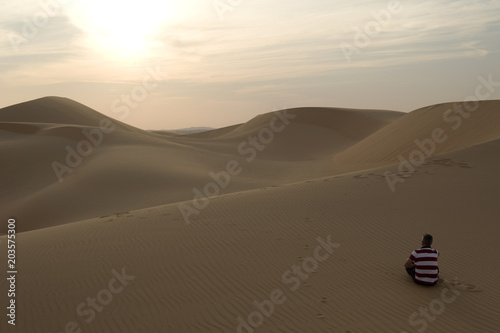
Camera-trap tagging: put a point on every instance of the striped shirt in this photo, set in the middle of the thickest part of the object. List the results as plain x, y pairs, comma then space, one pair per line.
426, 266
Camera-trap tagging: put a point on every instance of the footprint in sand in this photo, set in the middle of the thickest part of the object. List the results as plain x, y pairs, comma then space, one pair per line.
121, 214
320, 316
324, 299
464, 165
444, 161
455, 284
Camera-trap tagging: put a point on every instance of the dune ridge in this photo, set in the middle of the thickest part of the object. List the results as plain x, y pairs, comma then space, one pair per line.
461, 130
56, 110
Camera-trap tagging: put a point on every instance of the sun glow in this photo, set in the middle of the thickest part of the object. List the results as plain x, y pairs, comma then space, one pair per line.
125, 27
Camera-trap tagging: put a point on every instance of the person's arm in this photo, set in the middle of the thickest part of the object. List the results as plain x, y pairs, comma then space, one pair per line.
409, 263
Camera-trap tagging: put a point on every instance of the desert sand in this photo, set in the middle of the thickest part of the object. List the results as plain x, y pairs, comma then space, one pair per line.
308, 230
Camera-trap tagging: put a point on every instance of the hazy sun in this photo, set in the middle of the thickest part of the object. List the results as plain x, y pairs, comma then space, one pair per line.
123, 26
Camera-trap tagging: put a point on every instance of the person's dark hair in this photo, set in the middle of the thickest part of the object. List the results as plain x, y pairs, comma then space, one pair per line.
427, 240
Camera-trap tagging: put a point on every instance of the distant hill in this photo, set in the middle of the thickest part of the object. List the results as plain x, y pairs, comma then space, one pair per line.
184, 131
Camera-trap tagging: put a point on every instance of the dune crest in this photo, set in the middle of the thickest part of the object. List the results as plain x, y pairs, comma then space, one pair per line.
457, 130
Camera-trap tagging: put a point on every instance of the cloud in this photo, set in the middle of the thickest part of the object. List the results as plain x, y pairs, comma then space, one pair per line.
289, 40
300, 39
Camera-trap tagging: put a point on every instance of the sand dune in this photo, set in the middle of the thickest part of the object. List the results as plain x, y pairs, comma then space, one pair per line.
313, 133
450, 130
202, 277
325, 176
57, 110
154, 169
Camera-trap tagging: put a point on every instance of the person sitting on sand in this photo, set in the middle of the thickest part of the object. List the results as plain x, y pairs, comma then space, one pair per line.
422, 265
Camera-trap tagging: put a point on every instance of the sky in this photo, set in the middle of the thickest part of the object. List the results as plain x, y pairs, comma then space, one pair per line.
167, 64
